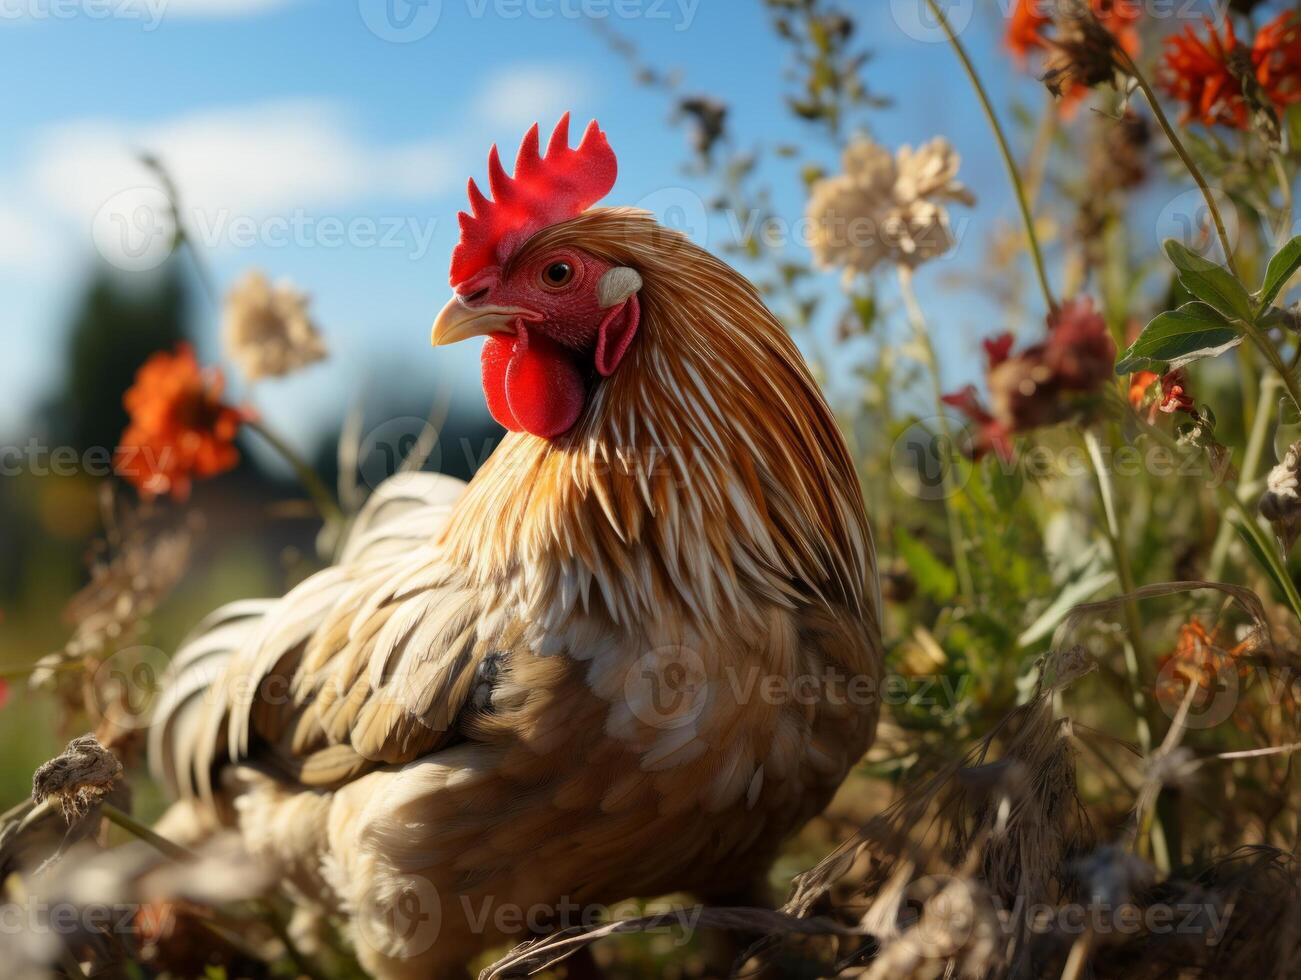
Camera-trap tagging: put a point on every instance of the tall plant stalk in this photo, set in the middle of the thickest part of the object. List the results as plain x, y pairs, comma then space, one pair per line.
917, 319
1022, 200
324, 501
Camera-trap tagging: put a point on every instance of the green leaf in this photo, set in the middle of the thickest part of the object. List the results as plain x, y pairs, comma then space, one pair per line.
1268, 562
1176, 338
935, 579
1211, 283
1282, 267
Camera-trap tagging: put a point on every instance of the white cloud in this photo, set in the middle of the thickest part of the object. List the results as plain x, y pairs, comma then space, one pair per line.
279, 160
27, 244
255, 161
520, 95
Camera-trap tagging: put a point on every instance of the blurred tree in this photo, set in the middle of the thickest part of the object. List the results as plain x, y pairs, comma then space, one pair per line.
117, 325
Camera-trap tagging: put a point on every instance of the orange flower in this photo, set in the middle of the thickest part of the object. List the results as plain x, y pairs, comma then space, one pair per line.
180, 429
1139, 383
1198, 659
1198, 72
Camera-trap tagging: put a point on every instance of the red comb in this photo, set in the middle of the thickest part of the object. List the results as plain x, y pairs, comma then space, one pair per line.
543, 191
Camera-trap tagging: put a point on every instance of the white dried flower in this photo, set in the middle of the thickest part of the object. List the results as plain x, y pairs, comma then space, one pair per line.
885, 207
1280, 504
267, 330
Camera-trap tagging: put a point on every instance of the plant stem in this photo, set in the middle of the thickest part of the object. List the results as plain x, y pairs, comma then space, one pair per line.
321, 497
1135, 654
1115, 527
1269, 386
918, 321
1027, 217
1285, 186
1275, 360
1164, 121
1230, 502
134, 827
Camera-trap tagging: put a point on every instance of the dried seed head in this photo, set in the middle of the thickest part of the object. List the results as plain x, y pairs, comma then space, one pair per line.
79, 779
1280, 504
1083, 53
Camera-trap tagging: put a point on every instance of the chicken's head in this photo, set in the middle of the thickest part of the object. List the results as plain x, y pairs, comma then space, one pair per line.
557, 320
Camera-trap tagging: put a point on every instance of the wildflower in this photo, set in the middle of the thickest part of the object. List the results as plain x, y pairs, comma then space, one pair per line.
1280, 504
4, 692
1208, 75
1043, 384
1026, 28
266, 329
1171, 396
990, 433
885, 207
1197, 659
1120, 160
180, 429
1276, 56
1082, 56
1080, 41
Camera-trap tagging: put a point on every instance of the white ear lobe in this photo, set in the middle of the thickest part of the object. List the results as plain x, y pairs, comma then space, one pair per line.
616, 286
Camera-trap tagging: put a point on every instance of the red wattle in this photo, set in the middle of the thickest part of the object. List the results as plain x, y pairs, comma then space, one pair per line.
532, 384
493, 362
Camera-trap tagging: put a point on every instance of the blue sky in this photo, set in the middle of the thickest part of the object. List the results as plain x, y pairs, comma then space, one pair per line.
293, 114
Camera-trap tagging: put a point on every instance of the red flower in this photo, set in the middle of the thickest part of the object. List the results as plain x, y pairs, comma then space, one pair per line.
1041, 385
1025, 28
1276, 56
4, 692
180, 429
1197, 72
1172, 396
989, 432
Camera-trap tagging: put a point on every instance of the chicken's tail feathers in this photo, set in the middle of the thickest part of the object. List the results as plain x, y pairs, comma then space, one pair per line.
208, 694
184, 713
405, 509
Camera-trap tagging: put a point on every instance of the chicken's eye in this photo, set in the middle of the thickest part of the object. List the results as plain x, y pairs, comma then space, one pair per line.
558, 275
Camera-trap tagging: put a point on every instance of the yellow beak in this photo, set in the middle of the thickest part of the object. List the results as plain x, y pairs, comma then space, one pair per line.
456, 321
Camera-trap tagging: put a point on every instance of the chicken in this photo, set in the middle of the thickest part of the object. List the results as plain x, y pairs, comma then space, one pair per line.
584, 676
